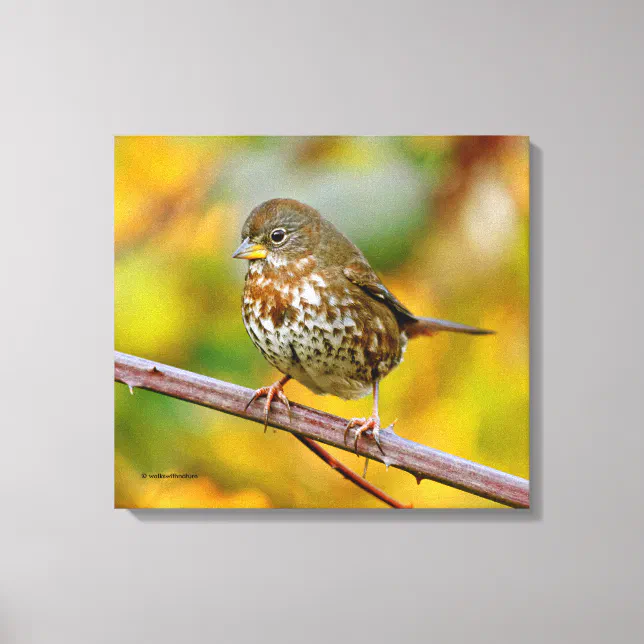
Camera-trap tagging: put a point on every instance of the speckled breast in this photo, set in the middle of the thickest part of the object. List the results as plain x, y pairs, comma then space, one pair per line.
326, 334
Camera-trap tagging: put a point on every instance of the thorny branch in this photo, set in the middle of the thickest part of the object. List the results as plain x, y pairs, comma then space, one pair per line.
349, 474
306, 423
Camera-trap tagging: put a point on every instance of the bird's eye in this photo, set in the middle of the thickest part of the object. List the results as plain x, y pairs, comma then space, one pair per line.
278, 235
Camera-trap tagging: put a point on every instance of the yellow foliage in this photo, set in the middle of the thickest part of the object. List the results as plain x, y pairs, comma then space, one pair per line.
202, 492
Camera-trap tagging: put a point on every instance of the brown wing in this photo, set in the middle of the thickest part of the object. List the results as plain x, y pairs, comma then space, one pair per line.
365, 277
362, 275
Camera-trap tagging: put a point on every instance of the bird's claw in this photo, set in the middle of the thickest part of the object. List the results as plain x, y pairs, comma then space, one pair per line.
273, 391
371, 424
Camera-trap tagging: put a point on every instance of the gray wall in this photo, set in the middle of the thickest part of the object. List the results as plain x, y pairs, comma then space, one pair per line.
76, 73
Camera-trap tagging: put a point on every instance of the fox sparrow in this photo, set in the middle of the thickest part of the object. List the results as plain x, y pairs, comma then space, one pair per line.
318, 312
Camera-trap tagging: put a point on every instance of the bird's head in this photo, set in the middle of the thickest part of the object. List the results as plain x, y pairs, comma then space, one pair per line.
279, 232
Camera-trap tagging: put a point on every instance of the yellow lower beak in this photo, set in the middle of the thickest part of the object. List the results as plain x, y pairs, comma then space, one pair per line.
250, 250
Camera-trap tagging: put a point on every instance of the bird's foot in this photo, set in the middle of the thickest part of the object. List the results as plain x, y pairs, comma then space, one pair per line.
273, 391
363, 425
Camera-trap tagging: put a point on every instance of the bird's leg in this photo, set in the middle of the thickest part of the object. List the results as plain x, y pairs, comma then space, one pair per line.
371, 424
273, 391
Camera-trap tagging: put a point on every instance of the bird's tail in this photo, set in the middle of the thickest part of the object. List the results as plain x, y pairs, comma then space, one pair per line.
430, 326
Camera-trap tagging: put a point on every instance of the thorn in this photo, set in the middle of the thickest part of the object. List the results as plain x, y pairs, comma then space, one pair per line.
131, 389
154, 369
366, 465
419, 479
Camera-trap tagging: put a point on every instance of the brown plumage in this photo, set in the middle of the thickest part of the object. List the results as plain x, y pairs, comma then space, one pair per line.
318, 312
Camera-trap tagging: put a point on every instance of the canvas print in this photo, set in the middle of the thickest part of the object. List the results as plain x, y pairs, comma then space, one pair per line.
322, 322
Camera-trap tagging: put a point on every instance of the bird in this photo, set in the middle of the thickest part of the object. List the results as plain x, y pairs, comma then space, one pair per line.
318, 312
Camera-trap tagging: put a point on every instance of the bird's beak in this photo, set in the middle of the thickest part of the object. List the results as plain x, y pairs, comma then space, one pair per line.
250, 250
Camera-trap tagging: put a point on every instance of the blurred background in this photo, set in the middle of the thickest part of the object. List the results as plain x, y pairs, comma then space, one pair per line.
444, 220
